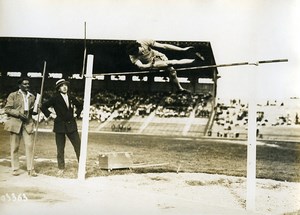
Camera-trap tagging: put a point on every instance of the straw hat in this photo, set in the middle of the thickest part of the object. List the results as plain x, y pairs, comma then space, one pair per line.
61, 82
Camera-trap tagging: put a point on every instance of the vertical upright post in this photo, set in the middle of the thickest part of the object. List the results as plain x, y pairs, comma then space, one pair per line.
85, 119
251, 150
84, 52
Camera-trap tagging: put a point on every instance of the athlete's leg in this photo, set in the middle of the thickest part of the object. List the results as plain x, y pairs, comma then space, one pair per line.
174, 79
165, 63
180, 62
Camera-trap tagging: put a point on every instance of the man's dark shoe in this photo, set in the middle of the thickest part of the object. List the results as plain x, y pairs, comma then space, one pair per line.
15, 172
32, 173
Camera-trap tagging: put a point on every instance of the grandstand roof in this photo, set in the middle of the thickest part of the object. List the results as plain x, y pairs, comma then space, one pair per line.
19, 54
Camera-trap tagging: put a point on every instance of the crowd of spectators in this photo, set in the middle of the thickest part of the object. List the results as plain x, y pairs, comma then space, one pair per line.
235, 114
182, 105
124, 105
128, 104
230, 115
203, 109
114, 105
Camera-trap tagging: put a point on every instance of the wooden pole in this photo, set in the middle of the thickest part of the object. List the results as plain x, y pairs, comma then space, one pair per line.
37, 109
84, 52
85, 119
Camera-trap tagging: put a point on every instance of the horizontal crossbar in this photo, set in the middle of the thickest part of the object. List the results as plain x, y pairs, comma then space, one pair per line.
194, 68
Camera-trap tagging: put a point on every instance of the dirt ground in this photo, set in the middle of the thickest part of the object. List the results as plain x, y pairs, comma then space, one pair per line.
153, 193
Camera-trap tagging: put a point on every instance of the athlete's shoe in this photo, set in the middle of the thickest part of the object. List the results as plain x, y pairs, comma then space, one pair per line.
199, 56
183, 91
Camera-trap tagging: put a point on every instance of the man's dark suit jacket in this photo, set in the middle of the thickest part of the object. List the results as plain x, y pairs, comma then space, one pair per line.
65, 121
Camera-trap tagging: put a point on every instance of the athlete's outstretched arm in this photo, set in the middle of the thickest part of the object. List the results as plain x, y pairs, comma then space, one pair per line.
141, 65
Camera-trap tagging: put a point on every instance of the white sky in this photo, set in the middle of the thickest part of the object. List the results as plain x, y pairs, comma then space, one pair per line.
239, 30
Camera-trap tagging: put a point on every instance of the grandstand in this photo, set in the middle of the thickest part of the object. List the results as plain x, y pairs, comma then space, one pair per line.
164, 113
65, 57
138, 103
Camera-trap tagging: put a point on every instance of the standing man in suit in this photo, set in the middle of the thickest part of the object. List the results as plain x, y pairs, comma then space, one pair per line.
65, 124
19, 108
